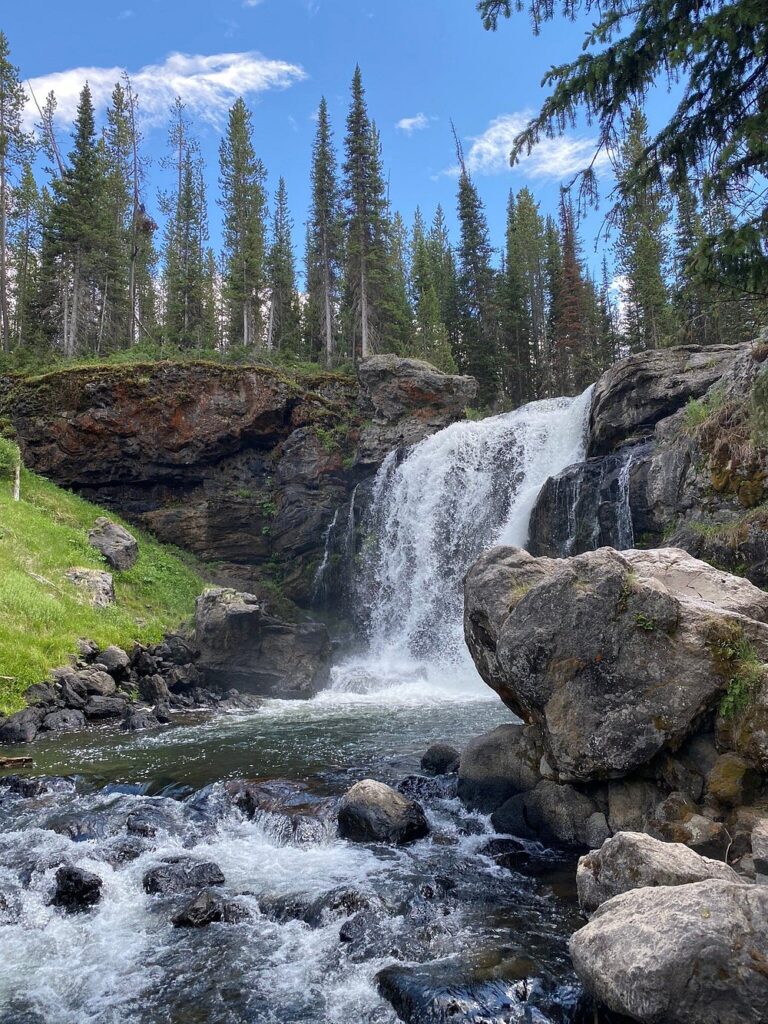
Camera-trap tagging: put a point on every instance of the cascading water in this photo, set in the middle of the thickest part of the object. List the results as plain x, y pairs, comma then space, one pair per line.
455, 494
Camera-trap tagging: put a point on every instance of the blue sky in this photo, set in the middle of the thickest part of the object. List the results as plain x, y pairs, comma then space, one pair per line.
424, 62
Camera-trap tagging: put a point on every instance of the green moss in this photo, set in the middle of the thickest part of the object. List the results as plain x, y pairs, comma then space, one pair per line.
42, 614
737, 661
645, 622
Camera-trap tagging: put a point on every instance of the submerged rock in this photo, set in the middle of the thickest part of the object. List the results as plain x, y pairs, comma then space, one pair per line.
632, 860
208, 908
686, 954
76, 889
119, 547
372, 812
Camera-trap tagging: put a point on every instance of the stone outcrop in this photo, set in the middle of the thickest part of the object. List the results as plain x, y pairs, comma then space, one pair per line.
642, 679
372, 812
119, 547
97, 586
632, 860
242, 465
241, 646
683, 954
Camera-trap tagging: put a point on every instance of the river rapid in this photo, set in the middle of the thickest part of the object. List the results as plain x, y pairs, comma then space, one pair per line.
462, 926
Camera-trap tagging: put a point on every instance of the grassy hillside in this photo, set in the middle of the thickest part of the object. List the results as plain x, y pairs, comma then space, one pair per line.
42, 614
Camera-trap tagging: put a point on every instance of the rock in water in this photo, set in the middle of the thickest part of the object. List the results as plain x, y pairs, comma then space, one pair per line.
372, 812
21, 727
181, 875
688, 954
632, 860
119, 547
498, 765
440, 759
206, 908
76, 889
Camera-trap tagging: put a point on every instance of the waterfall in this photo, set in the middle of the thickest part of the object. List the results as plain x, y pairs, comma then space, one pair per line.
457, 493
624, 530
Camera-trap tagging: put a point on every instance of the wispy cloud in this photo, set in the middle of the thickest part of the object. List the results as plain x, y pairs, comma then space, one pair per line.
252, 3
127, 13
555, 158
208, 84
409, 125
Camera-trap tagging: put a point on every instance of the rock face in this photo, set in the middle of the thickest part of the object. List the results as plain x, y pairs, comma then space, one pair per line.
631, 860
688, 954
371, 812
119, 547
612, 657
241, 465
241, 645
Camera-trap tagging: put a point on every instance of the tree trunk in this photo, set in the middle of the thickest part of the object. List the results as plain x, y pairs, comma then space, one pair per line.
4, 313
365, 343
17, 481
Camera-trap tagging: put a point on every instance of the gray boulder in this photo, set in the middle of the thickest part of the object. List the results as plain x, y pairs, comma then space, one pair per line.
498, 765
372, 812
115, 661
613, 657
97, 683
119, 547
99, 708
686, 954
242, 646
66, 720
21, 727
632, 860
440, 759
98, 586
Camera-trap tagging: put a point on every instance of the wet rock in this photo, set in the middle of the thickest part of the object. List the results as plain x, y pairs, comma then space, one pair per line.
22, 727
687, 954
76, 889
511, 819
206, 908
163, 713
154, 689
305, 815
25, 787
631, 860
139, 719
115, 661
440, 759
316, 910
180, 875
243, 646
66, 720
498, 765
612, 656
525, 858
637, 392
119, 547
98, 586
428, 787
559, 813
233, 700
122, 850
372, 812
99, 708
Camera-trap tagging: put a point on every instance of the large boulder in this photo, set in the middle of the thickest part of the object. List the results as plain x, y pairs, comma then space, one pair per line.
684, 954
372, 812
632, 860
119, 547
22, 727
612, 657
635, 393
497, 765
242, 646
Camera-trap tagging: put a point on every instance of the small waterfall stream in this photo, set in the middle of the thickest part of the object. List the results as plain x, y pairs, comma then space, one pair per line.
457, 493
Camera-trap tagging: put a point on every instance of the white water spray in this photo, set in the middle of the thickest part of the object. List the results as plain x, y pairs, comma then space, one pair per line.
457, 493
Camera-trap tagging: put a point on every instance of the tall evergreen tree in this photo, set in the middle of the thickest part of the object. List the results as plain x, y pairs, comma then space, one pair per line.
185, 266
430, 339
243, 201
570, 334
14, 146
443, 270
476, 291
284, 324
26, 243
325, 243
368, 277
642, 246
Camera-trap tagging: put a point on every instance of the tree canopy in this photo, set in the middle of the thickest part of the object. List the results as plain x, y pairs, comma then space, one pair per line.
717, 52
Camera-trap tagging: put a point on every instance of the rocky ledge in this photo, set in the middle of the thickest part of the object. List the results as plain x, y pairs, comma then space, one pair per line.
237, 654
641, 679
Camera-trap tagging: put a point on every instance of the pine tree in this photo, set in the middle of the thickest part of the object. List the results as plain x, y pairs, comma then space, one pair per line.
397, 312
79, 230
642, 247
443, 270
430, 339
284, 324
476, 288
571, 349
26, 226
14, 147
368, 277
553, 276
243, 201
325, 242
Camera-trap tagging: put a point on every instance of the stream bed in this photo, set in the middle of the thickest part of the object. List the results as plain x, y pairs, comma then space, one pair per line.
459, 933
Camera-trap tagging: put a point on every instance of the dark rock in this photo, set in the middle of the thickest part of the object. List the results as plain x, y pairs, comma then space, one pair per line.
206, 908
524, 858
25, 787
87, 649
428, 787
67, 720
511, 819
178, 650
300, 815
76, 889
242, 645
558, 813
99, 708
440, 759
318, 910
163, 713
181, 875
498, 765
154, 689
42, 695
97, 683
21, 727
372, 812
139, 719
73, 692
119, 547
115, 661
143, 663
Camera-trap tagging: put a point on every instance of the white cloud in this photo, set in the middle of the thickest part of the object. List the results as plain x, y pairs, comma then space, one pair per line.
207, 84
252, 3
409, 125
127, 13
556, 158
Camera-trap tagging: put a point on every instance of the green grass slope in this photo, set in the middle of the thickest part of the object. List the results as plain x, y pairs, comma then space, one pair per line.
42, 614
